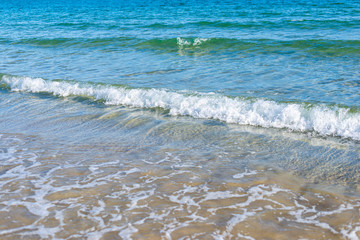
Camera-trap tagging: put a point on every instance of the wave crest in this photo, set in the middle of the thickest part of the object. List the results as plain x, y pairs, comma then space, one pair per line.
325, 120
197, 41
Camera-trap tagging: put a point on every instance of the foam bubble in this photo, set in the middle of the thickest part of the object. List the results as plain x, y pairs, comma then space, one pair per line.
325, 120
244, 174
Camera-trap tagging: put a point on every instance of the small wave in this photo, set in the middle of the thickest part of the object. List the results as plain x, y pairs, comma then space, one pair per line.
201, 45
323, 119
198, 45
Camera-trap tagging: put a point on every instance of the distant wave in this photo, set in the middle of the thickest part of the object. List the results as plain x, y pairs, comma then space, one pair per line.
325, 120
301, 23
189, 45
286, 22
70, 42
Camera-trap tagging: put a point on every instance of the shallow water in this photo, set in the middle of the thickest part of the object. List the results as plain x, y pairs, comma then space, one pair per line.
179, 120
134, 173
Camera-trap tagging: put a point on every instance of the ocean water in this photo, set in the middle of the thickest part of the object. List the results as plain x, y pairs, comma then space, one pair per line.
179, 119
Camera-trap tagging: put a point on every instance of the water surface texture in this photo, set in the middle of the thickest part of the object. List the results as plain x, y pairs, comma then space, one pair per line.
179, 119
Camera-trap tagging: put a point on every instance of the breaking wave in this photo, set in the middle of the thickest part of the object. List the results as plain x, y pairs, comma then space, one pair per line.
319, 118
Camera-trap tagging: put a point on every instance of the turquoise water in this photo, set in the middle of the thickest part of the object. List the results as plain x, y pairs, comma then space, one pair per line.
120, 93
298, 51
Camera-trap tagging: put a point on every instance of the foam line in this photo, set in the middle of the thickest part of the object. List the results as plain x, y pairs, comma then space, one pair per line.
325, 120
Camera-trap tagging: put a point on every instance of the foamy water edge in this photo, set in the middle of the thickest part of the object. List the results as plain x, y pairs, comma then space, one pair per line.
322, 119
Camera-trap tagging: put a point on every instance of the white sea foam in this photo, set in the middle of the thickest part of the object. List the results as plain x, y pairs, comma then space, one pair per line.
124, 204
244, 174
322, 119
197, 41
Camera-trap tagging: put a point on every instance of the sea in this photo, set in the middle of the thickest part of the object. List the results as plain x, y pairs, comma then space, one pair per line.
178, 119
